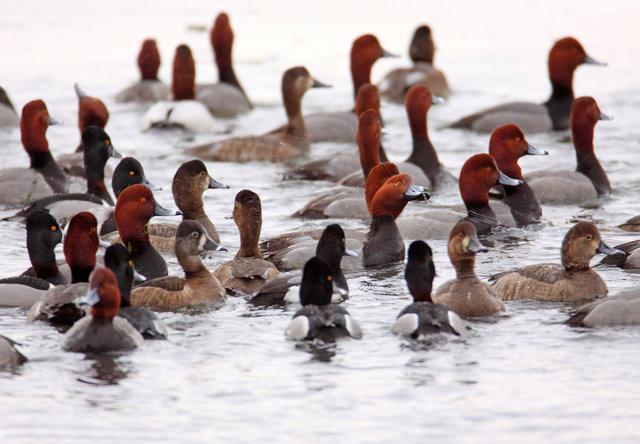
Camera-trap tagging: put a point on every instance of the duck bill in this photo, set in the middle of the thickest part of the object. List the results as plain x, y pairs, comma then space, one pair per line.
149, 185
162, 211
533, 151
386, 53
215, 184
436, 100
606, 249
91, 298
351, 253
104, 243
475, 246
604, 116
211, 245
115, 154
318, 84
137, 277
54, 121
506, 180
416, 192
591, 61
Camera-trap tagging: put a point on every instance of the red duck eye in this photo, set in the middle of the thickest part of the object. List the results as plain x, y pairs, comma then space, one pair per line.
143, 199
107, 142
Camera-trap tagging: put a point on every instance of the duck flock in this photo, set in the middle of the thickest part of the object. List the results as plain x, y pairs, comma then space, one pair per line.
117, 275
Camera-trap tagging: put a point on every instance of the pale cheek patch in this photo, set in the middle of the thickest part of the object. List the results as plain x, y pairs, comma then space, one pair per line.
203, 240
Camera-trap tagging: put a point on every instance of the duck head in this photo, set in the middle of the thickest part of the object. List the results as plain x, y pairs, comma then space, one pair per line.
247, 214
34, 122
295, 82
222, 40
118, 260
420, 271
189, 184
585, 113
184, 74
91, 110
332, 245
463, 246
376, 178
103, 294
365, 50
581, 243
507, 145
80, 245
191, 240
317, 283
394, 195
149, 60
565, 56
367, 98
422, 47
478, 174
129, 172
417, 102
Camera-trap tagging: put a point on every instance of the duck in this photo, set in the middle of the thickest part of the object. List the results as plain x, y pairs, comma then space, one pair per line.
396, 83
424, 317
341, 126
102, 331
507, 145
331, 248
225, 98
629, 260
10, 357
565, 56
19, 186
478, 175
285, 143
199, 287
248, 272
184, 111
384, 243
149, 88
589, 181
8, 116
319, 320
466, 294
572, 280
621, 309
135, 206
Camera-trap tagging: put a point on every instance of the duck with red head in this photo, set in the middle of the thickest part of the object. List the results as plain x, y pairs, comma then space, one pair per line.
226, 98
8, 116
184, 111
565, 56
282, 144
466, 294
135, 206
149, 88
103, 330
396, 83
384, 243
589, 181
19, 186
573, 280
341, 126
507, 145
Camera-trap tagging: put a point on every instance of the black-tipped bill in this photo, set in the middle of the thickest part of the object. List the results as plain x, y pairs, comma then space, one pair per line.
211, 245
436, 100
416, 192
606, 249
532, 150
317, 84
53, 121
149, 185
591, 61
475, 246
503, 179
215, 184
162, 211
115, 154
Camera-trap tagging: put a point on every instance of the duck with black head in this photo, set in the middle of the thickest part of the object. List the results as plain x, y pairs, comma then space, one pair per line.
184, 111
424, 317
319, 320
103, 330
225, 98
589, 181
149, 88
466, 294
565, 56
281, 144
572, 280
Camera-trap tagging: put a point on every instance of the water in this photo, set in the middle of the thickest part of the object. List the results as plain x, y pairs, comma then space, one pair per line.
230, 374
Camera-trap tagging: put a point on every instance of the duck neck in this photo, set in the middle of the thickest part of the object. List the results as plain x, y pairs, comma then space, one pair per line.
227, 75
523, 203
559, 103
135, 235
293, 107
482, 216
80, 274
424, 156
46, 267
384, 242
360, 74
43, 162
249, 238
98, 189
194, 269
587, 162
464, 265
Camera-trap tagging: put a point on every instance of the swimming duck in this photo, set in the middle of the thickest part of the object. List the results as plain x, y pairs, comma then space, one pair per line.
331, 248
135, 206
9, 356
423, 317
227, 97
184, 111
199, 287
589, 181
507, 145
574, 280
565, 56
149, 88
284, 143
318, 319
248, 272
630, 259
103, 330
396, 83
621, 309
18, 186
8, 116
466, 294
341, 126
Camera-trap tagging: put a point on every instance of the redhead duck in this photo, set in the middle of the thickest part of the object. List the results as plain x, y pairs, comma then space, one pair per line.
284, 143
184, 111
589, 181
135, 206
103, 330
341, 126
149, 88
574, 280
384, 243
395, 84
8, 116
507, 145
227, 97
621, 309
423, 317
19, 186
565, 56
319, 320
248, 272
466, 294
199, 287
331, 248
9, 356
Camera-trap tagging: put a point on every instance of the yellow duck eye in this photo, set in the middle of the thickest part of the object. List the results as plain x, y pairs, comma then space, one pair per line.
328, 278
143, 199
518, 139
131, 173
107, 142
53, 228
131, 263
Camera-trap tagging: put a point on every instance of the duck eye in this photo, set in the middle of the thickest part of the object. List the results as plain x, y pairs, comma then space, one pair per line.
202, 174
53, 228
589, 237
328, 278
518, 139
194, 234
107, 142
131, 173
343, 240
143, 199
131, 263
461, 235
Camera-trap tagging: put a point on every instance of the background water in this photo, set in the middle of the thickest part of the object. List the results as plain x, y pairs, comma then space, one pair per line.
230, 374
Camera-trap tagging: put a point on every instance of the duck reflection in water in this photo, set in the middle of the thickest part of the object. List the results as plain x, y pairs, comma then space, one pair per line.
105, 369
